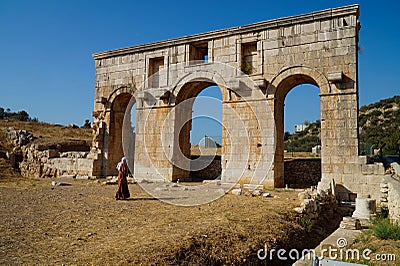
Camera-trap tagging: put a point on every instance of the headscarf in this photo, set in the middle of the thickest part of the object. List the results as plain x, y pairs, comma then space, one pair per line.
123, 161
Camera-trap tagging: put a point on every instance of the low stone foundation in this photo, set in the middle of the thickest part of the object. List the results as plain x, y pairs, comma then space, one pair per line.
212, 171
54, 160
302, 173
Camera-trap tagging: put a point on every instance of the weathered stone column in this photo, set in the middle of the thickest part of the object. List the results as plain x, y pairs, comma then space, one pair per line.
154, 143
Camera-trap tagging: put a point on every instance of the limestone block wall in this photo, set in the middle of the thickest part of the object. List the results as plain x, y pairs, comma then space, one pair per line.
302, 173
46, 161
212, 171
361, 178
390, 195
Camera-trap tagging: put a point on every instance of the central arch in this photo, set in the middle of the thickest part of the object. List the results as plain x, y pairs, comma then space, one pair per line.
184, 101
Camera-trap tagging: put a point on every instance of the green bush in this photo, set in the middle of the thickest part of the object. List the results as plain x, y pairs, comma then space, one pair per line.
382, 212
385, 229
306, 223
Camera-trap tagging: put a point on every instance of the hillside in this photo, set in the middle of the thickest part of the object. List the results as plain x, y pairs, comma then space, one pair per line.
379, 128
303, 141
43, 133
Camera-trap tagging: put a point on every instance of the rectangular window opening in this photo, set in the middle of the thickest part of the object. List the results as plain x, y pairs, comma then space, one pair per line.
249, 58
155, 67
198, 53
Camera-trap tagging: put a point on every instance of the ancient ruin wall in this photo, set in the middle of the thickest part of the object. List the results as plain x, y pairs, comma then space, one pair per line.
302, 173
318, 48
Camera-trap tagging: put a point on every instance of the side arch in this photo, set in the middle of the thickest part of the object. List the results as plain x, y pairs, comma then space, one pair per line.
119, 139
116, 93
279, 87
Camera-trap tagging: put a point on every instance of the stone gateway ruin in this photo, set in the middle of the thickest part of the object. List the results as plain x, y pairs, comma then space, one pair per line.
254, 66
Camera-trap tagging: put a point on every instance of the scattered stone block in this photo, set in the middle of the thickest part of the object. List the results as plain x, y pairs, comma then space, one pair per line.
299, 210
57, 183
304, 195
82, 177
67, 176
252, 187
236, 191
350, 223
112, 181
256, 193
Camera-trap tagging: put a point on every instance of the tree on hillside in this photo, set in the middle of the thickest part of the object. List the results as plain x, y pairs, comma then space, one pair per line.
22, 116
86, 124
19, 116
286, 136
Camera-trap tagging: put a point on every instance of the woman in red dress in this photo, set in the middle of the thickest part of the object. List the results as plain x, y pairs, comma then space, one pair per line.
123, 191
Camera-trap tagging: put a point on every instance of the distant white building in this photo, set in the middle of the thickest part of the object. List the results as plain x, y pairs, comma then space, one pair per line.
299, 128
209, 142
316, 150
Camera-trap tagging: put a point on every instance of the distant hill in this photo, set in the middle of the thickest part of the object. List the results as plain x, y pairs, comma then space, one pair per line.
303, 141
43, 133
379, 128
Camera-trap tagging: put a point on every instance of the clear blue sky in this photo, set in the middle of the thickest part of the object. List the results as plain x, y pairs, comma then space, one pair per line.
46, 46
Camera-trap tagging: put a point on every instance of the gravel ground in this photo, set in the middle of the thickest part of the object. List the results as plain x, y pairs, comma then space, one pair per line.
82, 224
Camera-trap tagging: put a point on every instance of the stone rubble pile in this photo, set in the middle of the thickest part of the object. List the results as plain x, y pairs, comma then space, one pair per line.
350, 223
390, 197
316, 202
18, 137
250, 190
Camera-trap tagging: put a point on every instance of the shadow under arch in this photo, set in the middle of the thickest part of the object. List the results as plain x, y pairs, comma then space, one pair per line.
279, 87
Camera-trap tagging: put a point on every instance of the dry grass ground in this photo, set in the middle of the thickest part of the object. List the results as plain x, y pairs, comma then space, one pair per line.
383, 252
82, 224
45, 133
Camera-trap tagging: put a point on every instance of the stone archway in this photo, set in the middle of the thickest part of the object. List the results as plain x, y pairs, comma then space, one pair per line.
183, 125
118, 133
318, 48
280, 86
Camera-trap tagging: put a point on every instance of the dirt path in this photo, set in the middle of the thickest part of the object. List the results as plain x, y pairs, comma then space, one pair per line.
82, 224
